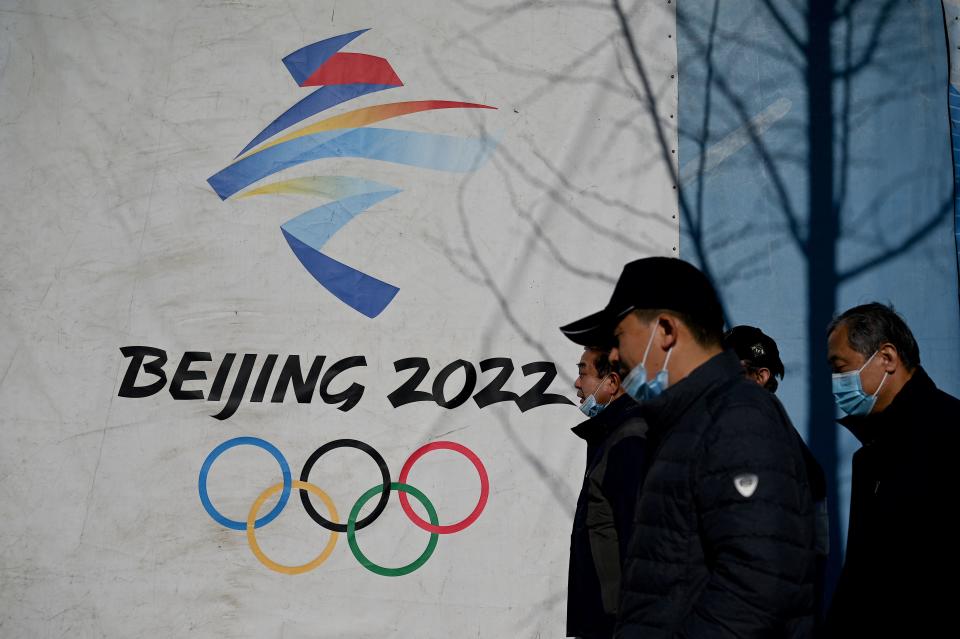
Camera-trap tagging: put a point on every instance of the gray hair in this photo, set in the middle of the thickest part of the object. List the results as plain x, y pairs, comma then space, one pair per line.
871, 325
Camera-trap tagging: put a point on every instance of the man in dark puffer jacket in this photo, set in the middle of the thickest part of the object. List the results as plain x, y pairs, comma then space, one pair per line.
723, 538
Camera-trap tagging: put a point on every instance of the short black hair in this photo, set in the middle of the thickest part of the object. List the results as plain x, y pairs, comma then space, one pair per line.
706, 334
602, 363
871, 325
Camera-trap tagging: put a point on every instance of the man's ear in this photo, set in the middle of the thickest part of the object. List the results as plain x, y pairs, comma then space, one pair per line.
614, 379
670, 326
763, 375
889, 357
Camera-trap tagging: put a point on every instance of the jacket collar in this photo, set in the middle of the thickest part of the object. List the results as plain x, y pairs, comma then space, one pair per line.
870, 428
677, 398
599, 427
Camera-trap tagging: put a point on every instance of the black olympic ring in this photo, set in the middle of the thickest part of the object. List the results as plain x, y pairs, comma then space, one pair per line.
326, 448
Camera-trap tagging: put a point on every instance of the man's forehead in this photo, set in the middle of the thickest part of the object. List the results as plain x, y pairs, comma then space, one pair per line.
837, 339
838, 346
590, 357
624, 323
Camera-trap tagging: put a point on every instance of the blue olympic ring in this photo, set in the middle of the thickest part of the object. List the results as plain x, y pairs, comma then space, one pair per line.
241, 441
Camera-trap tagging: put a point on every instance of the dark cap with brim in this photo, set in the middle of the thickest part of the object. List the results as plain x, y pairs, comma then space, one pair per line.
661, 283
594, 330
754, 347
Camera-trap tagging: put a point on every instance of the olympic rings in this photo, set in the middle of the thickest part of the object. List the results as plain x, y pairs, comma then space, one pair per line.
352, 537
352, 525
252, 538
219, 450
326, 448
484, 488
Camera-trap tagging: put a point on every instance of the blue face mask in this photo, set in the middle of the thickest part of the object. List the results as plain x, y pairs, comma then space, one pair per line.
590, 406
849, 395
636, 384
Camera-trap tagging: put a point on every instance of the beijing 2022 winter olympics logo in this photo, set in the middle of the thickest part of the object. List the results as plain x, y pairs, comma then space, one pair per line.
341, 78
333, 524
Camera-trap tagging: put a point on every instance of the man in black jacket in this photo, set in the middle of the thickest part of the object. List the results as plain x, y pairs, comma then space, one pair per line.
903, 558
760, 359
615, 436
723, 536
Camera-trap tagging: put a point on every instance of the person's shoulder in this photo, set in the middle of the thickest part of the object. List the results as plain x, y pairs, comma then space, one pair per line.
942, 421
743, 396
931, 410
633, 425
627, 417
748, 413
949, 404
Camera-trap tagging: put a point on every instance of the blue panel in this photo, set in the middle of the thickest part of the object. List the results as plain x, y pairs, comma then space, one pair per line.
955, 140
816, 174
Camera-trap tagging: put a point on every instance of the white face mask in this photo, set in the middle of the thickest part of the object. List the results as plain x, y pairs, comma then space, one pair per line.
636, 383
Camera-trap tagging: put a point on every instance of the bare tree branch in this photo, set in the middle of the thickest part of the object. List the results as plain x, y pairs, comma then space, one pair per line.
876, 33
785, 28
904, 245
779, 183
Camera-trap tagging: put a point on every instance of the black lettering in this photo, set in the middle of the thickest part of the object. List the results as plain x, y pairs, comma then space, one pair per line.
221, 379
184, 374
407, 393
492, 393
260, 389
537, 396
239, 386
469, 383
291, 371
351, 396
128, 387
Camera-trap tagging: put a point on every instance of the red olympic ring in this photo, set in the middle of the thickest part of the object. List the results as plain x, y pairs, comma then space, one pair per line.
484, 487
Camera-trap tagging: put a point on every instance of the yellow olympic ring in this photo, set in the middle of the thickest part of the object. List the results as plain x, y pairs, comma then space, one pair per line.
255, 547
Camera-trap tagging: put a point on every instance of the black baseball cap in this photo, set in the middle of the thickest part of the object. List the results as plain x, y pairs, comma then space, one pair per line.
662, 283
754, 347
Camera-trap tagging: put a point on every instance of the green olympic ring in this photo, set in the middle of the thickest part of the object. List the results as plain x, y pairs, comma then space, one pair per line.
352, 531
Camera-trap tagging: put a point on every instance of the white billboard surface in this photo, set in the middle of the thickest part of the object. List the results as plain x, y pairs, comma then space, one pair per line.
320, 249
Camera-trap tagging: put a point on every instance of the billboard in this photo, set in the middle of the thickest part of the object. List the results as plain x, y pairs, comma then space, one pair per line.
281, 287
